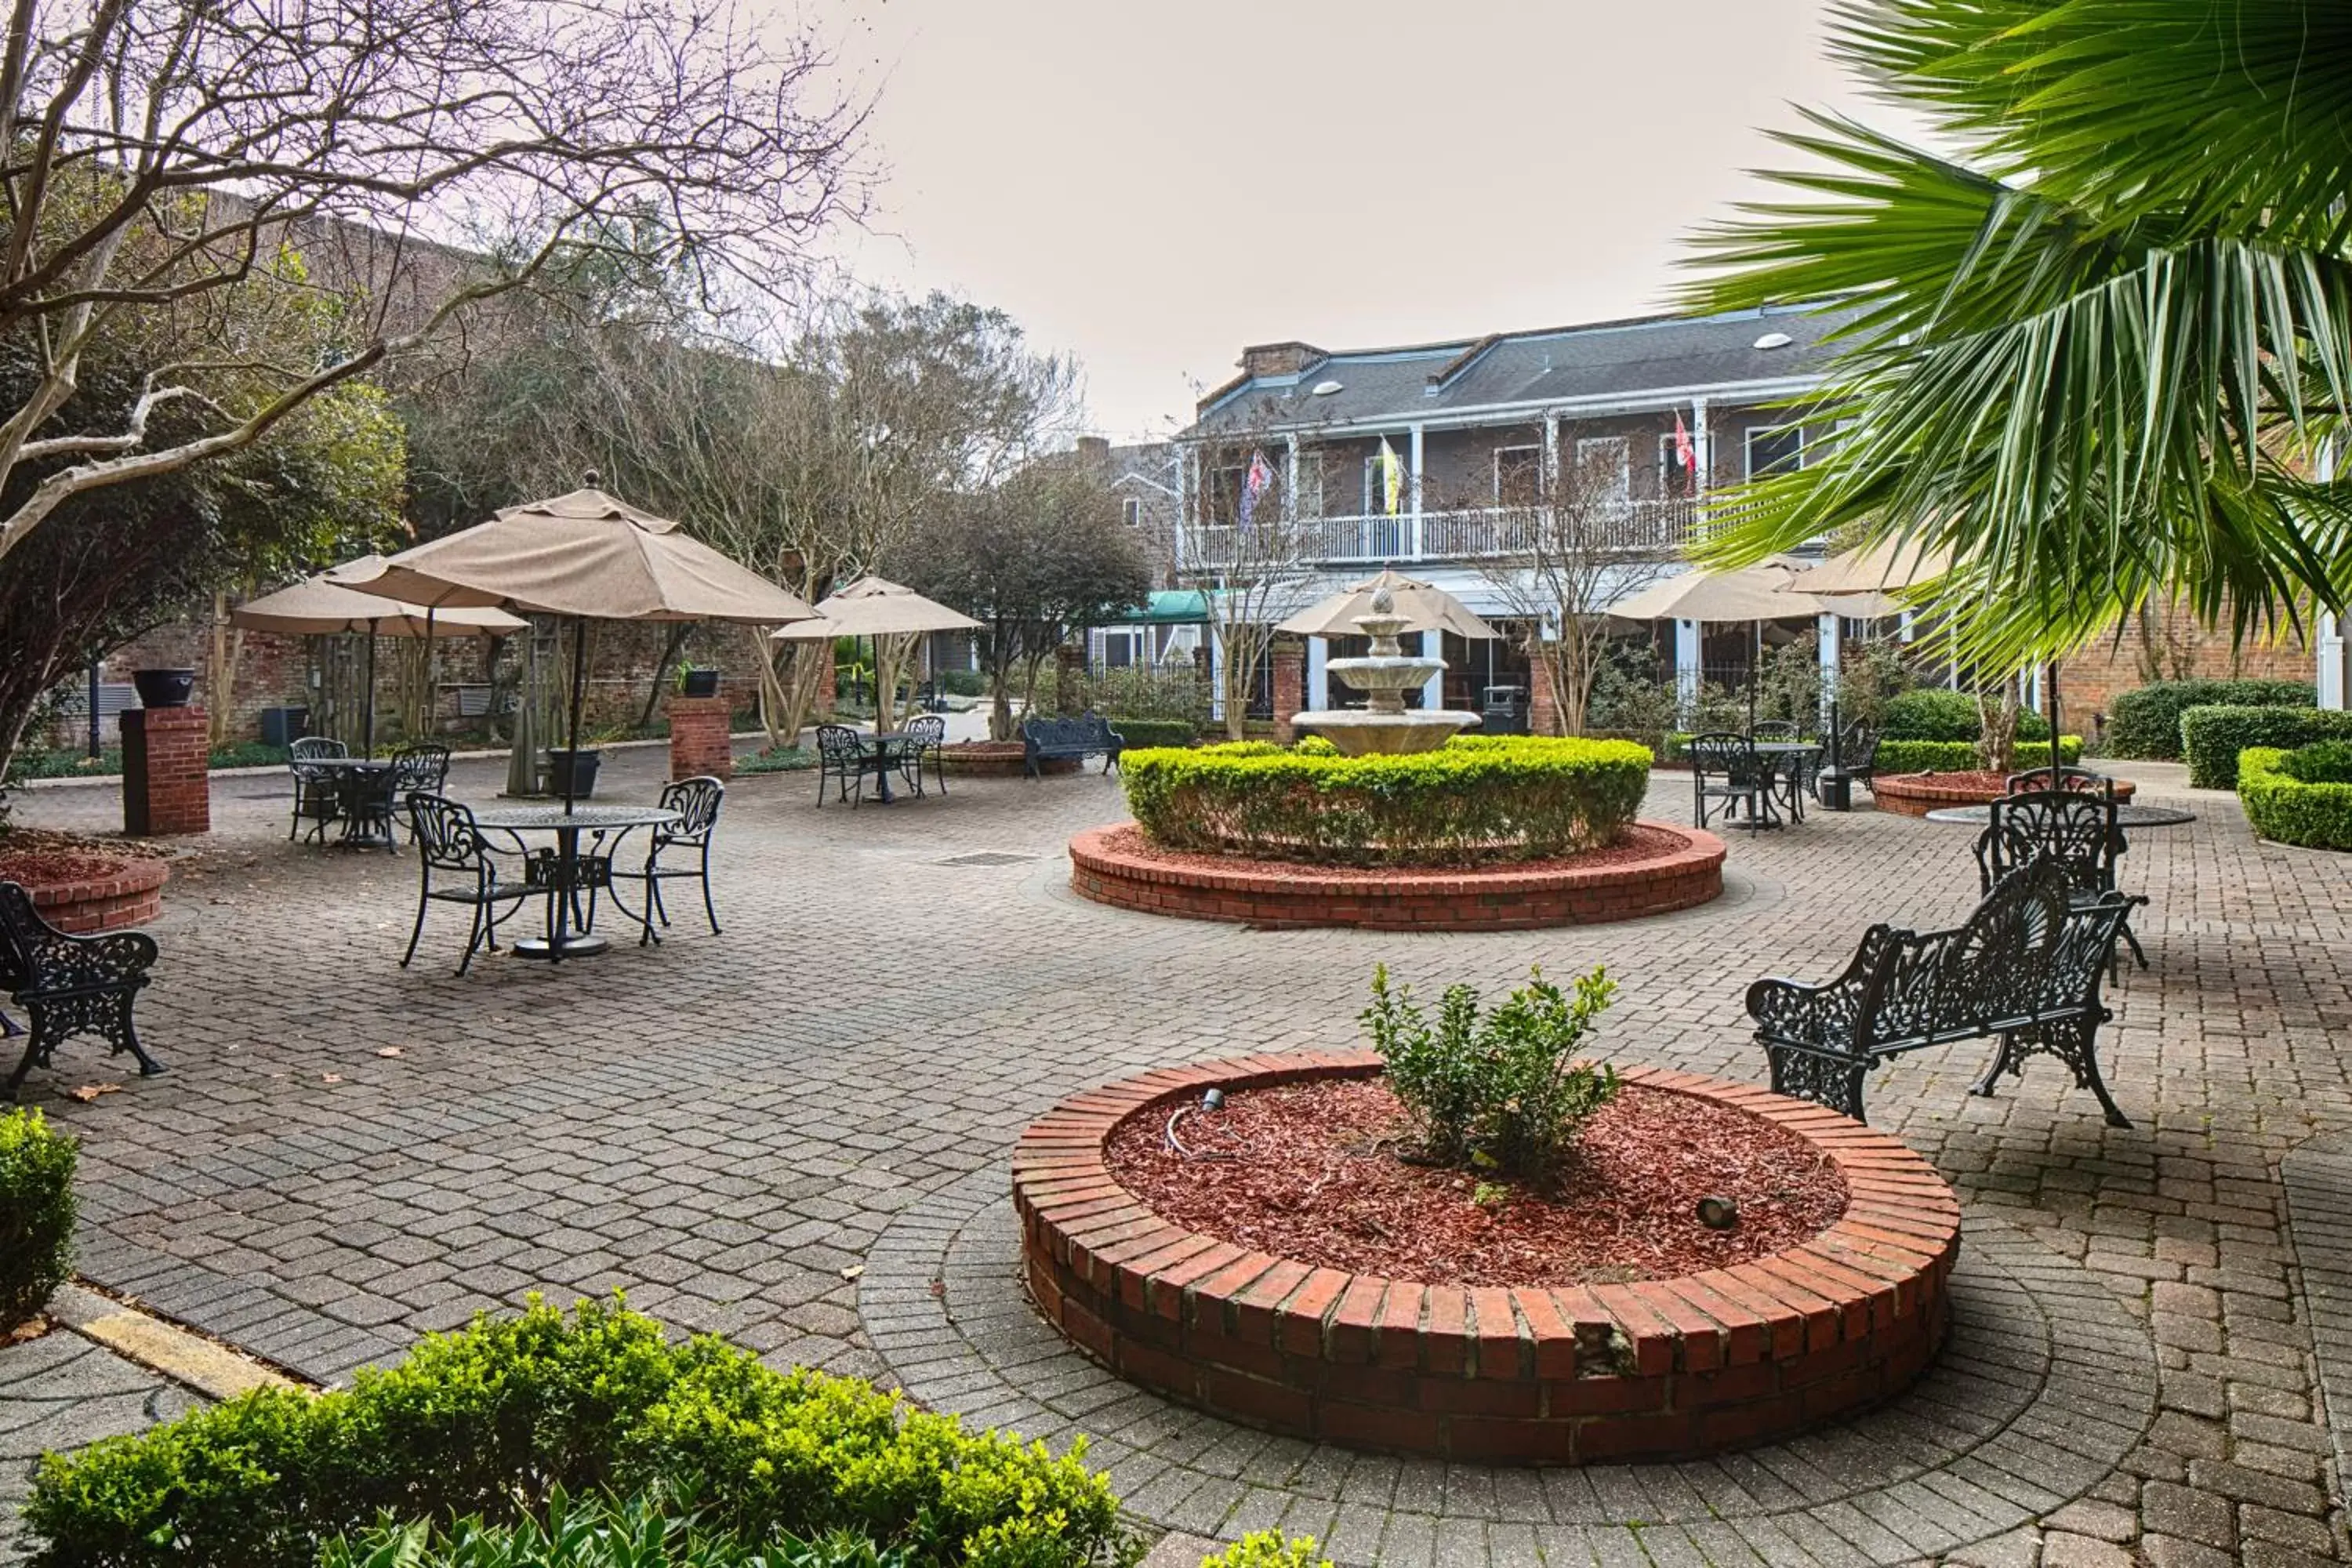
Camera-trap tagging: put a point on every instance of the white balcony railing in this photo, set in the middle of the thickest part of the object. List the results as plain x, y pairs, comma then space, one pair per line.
1486, 533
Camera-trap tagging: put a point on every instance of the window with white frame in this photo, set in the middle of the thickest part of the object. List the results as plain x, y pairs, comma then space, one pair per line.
1674, 478
1123, 648
1604, 467
1376, 491
1775, 449
1131, 511
1518, 476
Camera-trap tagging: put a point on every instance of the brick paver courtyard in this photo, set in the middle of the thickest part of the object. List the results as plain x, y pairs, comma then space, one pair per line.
795, 1134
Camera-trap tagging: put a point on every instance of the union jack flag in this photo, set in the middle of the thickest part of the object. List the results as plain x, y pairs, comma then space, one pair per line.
1259, 479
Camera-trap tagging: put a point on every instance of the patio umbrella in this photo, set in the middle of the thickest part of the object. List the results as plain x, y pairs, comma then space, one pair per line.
875, 607
1755, 594
322, 606
1425, 606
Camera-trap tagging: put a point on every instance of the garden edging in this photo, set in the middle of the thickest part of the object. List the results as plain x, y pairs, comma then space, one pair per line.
131, 896
1646, 1371
1495, 897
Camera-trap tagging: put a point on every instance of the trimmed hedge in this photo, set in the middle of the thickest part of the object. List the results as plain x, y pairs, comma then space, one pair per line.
1960, 756
489, 1421
1142, 732
2286, 810
1939, 713
37, 1214
2211, 738
1474, 800
2145, 722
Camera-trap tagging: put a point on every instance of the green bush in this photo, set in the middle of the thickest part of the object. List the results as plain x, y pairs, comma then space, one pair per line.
2145, 722
490, 1421
2322, 761
963, 683
1933, 713
1267, 1549
1142, 732
2212, 737
1473, 800
37, 1214
2286, 809
1498, 1091
1960, 756
598, 1532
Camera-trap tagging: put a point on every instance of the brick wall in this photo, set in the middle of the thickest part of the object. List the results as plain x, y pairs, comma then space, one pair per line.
2090, 680
698, 739
164, 787
1289, 687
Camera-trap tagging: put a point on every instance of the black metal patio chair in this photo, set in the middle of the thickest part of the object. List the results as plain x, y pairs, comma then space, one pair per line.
1726, 768
926, 736
2075, 829
318, 791
455, 865
696, 802
841, 757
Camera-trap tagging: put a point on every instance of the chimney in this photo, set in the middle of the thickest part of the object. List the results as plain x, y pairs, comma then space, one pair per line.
1278, 359
1093, 450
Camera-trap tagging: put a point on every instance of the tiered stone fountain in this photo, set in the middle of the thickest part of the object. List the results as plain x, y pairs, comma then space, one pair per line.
1385, 724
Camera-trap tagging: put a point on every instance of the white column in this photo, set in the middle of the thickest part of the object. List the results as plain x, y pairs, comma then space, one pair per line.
1290, 483
1551, 474
1414, 478
1703, 446
1831, 628
1217, 674
1687, 672
1319, 674
1432, 690
1183, 503
2334, 654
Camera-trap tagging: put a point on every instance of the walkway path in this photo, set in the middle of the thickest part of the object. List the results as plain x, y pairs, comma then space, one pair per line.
345, 1154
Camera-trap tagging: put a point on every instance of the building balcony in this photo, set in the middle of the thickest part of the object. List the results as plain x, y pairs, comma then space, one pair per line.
1478, 534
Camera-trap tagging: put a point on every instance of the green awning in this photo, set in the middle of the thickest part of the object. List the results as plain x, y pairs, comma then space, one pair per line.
1172, 607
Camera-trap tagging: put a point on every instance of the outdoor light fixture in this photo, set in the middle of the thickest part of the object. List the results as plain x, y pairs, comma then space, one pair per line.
1718, 1214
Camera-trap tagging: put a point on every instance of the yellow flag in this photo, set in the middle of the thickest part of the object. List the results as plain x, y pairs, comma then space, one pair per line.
1391, 478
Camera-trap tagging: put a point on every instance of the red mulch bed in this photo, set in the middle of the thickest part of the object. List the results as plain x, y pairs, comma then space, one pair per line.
34, 856
1315, 1175
1637, 842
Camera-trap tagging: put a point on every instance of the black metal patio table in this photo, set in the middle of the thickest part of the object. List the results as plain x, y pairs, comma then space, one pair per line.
2128, 814
879, 762
353, 776
561, 942
1781, 757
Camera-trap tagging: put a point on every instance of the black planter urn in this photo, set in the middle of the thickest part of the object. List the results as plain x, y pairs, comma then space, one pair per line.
164, 688
572, 774
699, 683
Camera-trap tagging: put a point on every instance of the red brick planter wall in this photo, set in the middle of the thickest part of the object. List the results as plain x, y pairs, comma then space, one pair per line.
700, 742
1655, 1371
133, 896
1502, 898
1000, 759
1917, 794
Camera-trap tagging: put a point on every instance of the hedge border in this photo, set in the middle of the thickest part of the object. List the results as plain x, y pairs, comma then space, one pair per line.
2212, 736
1653, 1370
2285, 810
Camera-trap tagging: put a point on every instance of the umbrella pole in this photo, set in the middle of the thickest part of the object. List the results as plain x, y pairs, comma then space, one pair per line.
371, 693
571, 735
2050, 701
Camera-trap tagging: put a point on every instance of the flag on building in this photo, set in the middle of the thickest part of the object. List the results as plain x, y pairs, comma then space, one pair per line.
1686, 455
1391, 478
1255, 483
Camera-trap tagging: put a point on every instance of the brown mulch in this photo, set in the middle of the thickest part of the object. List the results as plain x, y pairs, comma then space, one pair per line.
32, 855
1311, 1170
1637, 842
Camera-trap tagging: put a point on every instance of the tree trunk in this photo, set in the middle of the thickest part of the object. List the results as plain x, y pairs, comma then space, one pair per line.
670, 646
1998, 710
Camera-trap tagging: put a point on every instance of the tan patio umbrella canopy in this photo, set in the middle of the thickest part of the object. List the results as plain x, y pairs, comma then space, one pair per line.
874, 606
584, 555
1755, 594
1880, 568
1425, 606
322, 606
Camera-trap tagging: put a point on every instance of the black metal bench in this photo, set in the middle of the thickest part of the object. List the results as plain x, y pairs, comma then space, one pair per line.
1080, 736
68, 984
2025, 968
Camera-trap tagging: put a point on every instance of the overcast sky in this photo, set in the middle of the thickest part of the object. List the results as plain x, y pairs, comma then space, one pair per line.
1151, 187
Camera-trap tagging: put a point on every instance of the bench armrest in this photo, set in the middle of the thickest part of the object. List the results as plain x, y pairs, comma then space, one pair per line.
1828, 1015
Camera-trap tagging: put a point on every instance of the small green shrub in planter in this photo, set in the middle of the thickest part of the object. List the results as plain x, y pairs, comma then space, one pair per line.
599, 1533
2316, 813
37, 1214
2212, 737
2145, 722
1960, 756
1498, 1091
491, 1420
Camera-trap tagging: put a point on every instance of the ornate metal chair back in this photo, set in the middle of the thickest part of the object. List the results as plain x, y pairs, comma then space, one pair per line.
838, 743
423, 766
2073, 831
1775, 730
696, 802
926, 732
316, 748
447, 839
1731, 756
2081, 780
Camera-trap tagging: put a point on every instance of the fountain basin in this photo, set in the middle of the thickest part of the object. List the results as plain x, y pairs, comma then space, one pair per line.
1363, 732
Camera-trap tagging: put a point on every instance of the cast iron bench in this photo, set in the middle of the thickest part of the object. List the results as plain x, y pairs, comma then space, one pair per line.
2026, 968
68, 984
1043, 740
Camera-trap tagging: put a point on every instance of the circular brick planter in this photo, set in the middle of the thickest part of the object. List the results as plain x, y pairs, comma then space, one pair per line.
1917, 794
131, 896
1500, 898
1656, 1370
998, 760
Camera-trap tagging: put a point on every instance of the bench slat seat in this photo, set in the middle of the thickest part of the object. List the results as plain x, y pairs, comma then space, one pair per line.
1080, 735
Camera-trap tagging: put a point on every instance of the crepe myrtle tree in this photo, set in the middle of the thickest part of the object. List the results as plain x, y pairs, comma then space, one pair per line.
1259, 571
1035, 559
155, 154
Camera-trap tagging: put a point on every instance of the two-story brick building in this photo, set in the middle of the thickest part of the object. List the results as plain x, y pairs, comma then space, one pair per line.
1438, 458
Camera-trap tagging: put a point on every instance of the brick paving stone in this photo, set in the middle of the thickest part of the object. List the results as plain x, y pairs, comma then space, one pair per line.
721, 1125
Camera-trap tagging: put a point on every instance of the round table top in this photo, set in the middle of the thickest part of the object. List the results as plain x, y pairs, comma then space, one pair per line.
1787, 745
527, 819
2127, 815
349, 764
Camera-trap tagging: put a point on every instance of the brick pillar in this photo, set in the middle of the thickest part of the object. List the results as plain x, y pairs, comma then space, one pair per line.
1069, 677
699, 739
165, 786
1289, 687
1543, 703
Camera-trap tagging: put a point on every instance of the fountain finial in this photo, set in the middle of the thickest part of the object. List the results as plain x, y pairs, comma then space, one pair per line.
1383, 602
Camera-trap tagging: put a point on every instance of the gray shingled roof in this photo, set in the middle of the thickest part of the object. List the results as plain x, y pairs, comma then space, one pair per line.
1609, 359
